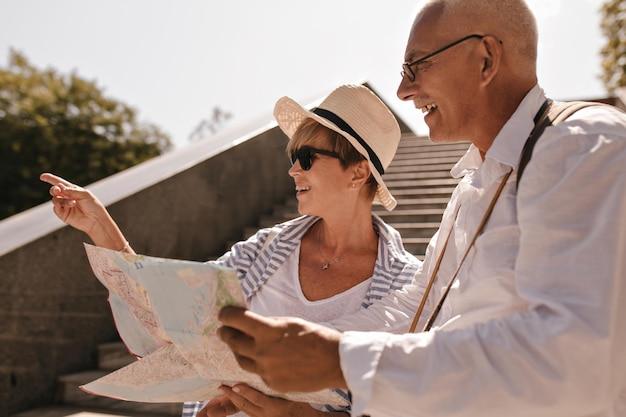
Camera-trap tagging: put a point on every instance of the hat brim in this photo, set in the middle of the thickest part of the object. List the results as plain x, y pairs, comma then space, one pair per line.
289, 115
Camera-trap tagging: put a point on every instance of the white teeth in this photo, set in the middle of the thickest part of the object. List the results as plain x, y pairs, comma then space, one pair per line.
428, 107
298, 188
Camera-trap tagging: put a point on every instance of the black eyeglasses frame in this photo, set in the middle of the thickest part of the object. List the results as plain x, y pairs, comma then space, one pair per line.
304, 155
406, 66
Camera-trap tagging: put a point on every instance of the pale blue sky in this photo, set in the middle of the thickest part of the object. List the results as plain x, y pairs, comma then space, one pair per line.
174, 61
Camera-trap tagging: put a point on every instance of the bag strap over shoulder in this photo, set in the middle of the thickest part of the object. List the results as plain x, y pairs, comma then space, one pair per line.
554, 116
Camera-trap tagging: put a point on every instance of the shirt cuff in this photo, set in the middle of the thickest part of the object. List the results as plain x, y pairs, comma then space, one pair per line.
359, 354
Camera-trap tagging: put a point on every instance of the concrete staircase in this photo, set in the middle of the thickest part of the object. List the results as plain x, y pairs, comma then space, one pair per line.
72, 401
419, 179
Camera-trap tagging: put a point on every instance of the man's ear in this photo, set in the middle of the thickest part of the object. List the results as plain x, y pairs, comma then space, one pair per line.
491, 59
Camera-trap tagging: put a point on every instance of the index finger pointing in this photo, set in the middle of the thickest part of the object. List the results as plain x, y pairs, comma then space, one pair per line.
54, 180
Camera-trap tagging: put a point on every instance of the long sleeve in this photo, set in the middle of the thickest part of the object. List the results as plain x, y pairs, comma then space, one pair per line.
559, 351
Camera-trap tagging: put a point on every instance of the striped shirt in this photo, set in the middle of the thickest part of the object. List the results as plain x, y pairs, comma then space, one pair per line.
259, 257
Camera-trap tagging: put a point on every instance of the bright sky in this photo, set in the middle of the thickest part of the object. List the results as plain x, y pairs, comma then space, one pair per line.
175, 60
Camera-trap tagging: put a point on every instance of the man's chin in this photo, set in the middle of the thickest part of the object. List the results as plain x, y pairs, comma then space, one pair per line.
436, 137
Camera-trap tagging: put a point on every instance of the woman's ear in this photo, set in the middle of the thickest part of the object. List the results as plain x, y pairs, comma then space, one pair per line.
360, 172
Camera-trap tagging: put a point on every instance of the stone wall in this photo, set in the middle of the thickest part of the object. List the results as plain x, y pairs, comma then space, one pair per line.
54, 312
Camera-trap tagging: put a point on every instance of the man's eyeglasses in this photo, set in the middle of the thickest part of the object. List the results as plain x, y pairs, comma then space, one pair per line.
407, 69
304, 155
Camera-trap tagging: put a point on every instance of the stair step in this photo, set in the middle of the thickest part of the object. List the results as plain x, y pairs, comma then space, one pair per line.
425, 161
421, 183
416, 229
443, 169
401, 215
409, 142
416, 245
80, 411
423, 202
68, 393
416, 193
404, 202
114, 355
415, 175
418, 154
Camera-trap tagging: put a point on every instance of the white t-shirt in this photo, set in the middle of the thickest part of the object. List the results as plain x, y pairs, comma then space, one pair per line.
282, 296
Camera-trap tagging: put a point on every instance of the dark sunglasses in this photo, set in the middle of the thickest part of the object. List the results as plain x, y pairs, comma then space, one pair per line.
304, 155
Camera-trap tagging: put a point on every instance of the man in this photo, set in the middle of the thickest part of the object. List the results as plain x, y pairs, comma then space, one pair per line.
532, 323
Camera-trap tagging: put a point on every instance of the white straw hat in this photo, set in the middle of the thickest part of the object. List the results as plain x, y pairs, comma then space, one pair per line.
356, 113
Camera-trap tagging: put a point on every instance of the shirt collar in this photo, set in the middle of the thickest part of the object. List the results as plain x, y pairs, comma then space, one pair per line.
508, 144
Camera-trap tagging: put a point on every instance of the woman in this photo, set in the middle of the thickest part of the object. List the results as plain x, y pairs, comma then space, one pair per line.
336, 259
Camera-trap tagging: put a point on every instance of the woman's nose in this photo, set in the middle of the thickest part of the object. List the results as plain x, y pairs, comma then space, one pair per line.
295, 169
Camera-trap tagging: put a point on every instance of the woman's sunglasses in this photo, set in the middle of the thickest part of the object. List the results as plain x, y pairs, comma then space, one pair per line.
304, 155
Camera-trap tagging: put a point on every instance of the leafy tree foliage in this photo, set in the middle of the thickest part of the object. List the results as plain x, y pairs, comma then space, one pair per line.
63, 124
613, 54
210, 126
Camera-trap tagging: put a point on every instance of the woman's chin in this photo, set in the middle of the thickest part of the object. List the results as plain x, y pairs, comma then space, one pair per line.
301, 208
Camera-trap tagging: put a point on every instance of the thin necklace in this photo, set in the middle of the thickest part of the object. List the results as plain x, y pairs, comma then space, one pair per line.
326, 263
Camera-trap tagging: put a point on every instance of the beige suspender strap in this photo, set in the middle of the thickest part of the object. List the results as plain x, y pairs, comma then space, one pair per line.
565, 110
486, 216
435, 312
418, 313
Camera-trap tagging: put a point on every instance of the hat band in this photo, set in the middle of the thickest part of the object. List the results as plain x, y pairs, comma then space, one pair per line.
341, 124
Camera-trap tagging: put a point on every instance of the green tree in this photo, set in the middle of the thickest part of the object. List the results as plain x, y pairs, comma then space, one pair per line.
63, 124
613, 26
210, 126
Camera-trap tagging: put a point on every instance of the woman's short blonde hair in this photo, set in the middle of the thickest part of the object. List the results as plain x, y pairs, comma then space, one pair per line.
309, 129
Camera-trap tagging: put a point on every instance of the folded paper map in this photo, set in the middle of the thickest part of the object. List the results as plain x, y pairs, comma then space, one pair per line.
165, 311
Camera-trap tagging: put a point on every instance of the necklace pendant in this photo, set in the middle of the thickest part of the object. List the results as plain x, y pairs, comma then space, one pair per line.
325, 266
